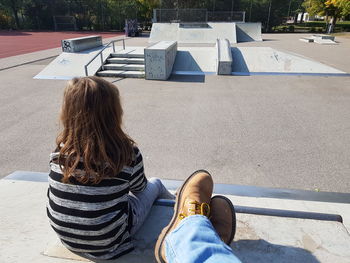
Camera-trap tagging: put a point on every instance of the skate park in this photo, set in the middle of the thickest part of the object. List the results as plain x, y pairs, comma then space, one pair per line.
197, 50
271, 128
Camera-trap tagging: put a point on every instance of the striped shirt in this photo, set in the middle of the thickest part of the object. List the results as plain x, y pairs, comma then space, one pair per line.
93, 219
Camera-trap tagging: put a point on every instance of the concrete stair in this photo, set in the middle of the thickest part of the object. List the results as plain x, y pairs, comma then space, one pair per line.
121, 73
124, 65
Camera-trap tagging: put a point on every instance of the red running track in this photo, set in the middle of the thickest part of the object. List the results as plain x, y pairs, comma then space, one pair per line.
14, 43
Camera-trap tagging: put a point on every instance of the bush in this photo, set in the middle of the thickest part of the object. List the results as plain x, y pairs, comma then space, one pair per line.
5, 21
291, 29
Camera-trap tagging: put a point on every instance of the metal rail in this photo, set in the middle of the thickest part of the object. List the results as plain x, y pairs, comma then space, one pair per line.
271, 212
101, 55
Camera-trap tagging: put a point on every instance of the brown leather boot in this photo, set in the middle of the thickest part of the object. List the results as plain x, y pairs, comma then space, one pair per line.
192, 198
223, 218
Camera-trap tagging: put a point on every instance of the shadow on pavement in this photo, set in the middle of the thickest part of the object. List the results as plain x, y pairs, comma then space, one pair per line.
187, 78
251, 251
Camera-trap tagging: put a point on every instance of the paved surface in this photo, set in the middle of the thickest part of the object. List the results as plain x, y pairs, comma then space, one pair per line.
21, 42
257, 239
274, 131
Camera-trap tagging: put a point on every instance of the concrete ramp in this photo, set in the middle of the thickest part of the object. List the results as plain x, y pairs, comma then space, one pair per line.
69, 65
247, 32
164, 32
266, 60
204, 33
195, 61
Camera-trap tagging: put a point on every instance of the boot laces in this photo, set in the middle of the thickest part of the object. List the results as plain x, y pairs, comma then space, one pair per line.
196, 208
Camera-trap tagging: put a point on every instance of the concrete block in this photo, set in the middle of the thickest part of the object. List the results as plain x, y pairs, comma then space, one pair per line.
159, 60
81, 43
321, 36
325, 41
224, 57
307, 39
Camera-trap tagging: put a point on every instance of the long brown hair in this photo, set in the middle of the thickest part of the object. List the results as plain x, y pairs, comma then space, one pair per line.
91, 116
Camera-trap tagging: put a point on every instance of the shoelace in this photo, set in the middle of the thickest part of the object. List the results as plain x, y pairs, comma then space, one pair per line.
198, 209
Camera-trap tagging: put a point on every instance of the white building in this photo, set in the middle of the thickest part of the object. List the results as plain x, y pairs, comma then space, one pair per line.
308, 18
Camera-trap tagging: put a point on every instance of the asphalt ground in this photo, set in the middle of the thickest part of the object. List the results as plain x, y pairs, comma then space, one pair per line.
273, 131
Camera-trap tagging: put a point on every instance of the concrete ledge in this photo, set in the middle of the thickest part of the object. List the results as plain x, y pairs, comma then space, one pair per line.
225, 189
321, 36
307, 39
73, 45
159, 60
224, 57
258, 238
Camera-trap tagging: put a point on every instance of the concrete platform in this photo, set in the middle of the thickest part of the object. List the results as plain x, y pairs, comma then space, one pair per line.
27, 236
69, 65
266, 60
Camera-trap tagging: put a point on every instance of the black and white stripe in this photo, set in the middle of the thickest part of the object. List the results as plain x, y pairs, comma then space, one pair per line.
93, 219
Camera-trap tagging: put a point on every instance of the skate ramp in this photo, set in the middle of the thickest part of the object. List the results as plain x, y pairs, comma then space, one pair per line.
70, 65
247, 32
269, 61
204, 33
249, 61
164, 32
195, 61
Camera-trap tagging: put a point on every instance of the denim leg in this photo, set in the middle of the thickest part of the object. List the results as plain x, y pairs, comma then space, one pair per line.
141, 203
195, 240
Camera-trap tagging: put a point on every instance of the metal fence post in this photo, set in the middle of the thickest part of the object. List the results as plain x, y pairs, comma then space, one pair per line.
123, 43
86, 71
113, 47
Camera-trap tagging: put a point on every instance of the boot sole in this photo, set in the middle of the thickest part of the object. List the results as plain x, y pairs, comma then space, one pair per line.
166, 230
233, 214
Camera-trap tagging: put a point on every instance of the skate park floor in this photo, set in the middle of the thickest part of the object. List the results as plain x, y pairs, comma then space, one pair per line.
269, 131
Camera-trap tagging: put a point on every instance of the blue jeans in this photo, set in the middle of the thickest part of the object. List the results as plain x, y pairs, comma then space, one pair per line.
141, 203
195, 240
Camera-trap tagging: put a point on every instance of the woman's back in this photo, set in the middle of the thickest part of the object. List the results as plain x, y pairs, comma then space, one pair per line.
94, 218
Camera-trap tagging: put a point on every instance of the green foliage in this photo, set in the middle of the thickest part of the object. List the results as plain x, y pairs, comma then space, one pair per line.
344, 6
335, 8
111, 14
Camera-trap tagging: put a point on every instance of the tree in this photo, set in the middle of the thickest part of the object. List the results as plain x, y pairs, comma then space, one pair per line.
146, 8
14, 6
329, 8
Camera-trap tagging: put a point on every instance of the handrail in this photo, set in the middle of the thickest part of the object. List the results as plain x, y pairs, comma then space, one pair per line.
101, 55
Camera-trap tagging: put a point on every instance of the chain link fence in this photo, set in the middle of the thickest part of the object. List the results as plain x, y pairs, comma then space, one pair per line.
196, 15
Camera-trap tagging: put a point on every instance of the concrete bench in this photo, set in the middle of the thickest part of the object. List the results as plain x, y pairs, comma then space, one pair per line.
159, 60
80, 43
267, 238
224, 57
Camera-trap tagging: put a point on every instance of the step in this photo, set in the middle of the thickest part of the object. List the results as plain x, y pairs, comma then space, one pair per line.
132, 67
126, 60
121, 73
127, 55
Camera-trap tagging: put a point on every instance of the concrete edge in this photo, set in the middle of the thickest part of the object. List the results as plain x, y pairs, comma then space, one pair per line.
224, 189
